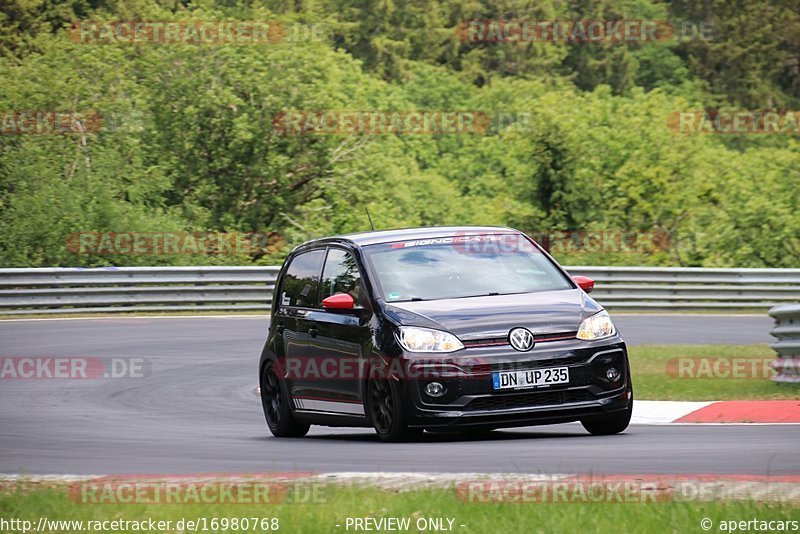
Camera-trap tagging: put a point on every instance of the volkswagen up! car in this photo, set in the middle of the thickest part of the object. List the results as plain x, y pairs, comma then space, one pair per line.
451, 328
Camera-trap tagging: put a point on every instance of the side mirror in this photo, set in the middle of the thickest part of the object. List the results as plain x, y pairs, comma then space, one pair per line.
584, 282
339, 301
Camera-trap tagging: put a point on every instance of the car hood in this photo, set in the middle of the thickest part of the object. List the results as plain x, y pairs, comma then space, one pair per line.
473, 318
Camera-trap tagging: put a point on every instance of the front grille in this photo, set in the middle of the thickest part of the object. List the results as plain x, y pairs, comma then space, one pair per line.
537, 338
540, 398
541, 338
486, 342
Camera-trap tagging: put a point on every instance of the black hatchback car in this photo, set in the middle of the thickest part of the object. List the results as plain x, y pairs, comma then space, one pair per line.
439, 329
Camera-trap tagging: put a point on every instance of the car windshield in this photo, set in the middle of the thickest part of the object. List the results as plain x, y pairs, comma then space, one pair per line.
462, 266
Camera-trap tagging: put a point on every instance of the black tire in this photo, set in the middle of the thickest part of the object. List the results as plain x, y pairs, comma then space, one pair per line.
386, 412
275, 401
607, 426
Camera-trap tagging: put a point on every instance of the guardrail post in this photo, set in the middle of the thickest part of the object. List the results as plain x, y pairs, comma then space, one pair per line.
787, 333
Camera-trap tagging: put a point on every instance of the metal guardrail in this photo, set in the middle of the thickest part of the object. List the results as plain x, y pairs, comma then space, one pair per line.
691, 287
787, 333
124, 289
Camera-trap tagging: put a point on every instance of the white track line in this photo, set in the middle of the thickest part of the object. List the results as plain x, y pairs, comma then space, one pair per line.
661, 412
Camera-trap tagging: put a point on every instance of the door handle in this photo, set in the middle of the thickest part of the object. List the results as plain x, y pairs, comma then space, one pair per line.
280, 328
313, 332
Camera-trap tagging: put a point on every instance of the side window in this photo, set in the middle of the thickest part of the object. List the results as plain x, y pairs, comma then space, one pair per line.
301, 282
341, 275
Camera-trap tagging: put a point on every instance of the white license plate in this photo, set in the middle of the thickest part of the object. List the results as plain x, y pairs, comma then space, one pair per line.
530, 378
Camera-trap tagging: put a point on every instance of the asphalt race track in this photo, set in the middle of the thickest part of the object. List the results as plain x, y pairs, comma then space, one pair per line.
197, 411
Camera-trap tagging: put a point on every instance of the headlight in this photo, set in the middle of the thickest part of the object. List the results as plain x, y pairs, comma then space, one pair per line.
597, 326
415, 339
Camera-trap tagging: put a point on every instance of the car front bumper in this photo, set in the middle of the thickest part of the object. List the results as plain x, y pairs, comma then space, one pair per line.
471, 401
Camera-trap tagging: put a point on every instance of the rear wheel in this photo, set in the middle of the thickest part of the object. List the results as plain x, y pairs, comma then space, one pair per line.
610, 425
386, 412
275, 401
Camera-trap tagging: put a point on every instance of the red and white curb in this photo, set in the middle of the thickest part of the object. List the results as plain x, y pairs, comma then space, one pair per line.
716, 412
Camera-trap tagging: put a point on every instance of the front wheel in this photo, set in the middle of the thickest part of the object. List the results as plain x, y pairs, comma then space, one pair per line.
386, 412
610, 425
275, 401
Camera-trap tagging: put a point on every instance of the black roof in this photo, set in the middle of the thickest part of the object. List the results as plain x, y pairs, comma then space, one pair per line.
430, 232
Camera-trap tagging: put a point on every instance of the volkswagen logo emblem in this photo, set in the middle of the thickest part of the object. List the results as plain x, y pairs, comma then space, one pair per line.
521, 339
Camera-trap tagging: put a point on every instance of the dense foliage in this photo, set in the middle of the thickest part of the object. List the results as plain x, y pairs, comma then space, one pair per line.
188, 142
